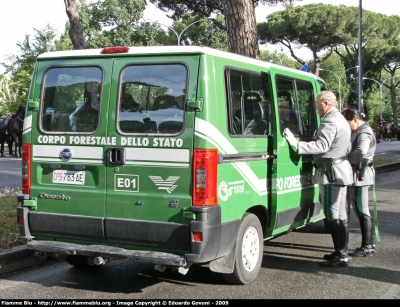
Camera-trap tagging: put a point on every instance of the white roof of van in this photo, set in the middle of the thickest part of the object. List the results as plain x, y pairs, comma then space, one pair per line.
159, 50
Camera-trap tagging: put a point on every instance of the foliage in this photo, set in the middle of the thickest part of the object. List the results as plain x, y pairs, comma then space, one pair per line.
332, 70
21, 66
203, 7
241, 27
119, 22
9, 233
381, 161
116, 23
198, 31
8, 98
380, 36
318, 27
279, 58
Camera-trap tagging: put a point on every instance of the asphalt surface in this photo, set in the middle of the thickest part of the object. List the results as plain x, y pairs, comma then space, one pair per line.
20, 257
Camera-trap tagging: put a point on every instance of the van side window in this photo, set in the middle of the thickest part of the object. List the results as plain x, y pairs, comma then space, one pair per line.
308, 118
71, 99
248, 103
151, 99
296, 106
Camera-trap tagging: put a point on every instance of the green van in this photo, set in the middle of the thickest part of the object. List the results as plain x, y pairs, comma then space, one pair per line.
170, 156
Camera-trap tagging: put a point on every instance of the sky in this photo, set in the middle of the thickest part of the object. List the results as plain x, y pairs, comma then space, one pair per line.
20, 17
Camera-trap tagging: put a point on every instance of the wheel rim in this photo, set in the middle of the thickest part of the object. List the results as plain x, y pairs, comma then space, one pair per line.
250, 249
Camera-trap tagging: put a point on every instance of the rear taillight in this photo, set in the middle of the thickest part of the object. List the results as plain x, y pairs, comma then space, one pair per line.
205, 166
26, 168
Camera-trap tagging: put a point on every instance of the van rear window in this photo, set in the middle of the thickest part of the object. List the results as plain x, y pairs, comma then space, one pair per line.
71, 99
151, 98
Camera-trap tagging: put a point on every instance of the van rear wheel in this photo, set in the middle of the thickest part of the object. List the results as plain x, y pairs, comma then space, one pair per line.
78, 260
249, 250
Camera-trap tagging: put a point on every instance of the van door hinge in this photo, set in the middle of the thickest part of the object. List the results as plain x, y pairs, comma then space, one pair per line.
33, 104
195, 104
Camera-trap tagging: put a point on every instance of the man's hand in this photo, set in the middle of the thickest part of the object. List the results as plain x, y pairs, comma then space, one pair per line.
288, 135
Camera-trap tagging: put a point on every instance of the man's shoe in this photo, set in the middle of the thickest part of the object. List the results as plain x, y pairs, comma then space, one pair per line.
337, 261
329, 257
363, 251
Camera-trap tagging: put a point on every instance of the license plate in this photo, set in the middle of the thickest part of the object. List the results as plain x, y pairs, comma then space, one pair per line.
69, 177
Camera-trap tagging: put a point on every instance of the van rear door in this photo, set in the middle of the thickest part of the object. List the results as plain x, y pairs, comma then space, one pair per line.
69, 141
149, 169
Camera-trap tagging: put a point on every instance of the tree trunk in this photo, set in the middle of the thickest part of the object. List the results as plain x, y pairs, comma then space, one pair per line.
241, 27
394, 101
75, 29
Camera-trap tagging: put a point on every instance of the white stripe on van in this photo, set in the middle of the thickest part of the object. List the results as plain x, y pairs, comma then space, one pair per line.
88, 154
27, 124
185, 165
208, 132
133, 156
157, 157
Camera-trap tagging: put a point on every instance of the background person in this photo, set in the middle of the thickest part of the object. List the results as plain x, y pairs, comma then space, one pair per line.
363, 145
382, 122
333, 172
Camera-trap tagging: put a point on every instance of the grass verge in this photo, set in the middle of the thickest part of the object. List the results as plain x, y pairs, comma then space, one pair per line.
379, 161
9, 234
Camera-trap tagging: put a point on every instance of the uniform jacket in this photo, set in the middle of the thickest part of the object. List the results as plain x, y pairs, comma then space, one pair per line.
332, 141
363, 145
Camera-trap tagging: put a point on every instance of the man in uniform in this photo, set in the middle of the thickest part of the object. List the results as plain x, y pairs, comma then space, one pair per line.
333, 171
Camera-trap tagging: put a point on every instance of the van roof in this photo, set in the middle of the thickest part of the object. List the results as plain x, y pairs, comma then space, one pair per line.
171, 50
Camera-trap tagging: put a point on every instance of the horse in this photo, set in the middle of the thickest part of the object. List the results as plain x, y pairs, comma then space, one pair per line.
384, 133
395, 132
5, 137
15, 127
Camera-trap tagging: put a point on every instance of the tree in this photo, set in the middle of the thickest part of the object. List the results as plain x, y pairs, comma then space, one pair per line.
319, 27
8, 98
21, 66
193, 29
75, 30
113, 23
381, 52
239, 19
279, 58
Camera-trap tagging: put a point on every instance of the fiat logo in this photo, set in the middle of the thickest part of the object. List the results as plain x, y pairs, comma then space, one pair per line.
66, 154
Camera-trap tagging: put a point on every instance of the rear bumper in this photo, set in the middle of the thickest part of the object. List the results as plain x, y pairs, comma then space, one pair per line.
115, 253
161, 243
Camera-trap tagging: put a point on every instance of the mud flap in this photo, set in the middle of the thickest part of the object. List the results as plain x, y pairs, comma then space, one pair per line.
224, 264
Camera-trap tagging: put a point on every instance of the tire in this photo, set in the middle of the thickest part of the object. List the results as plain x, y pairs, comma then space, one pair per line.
78, 261
249, 250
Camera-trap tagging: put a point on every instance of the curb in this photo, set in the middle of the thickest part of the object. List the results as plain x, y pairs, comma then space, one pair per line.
387, 167
20, 257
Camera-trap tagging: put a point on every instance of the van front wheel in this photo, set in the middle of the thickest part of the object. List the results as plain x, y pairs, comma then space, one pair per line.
249, 250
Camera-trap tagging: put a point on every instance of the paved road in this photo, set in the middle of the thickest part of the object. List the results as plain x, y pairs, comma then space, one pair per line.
10, 173
388, 150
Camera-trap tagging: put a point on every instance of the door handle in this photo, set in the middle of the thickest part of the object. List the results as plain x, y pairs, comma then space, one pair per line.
117, 155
